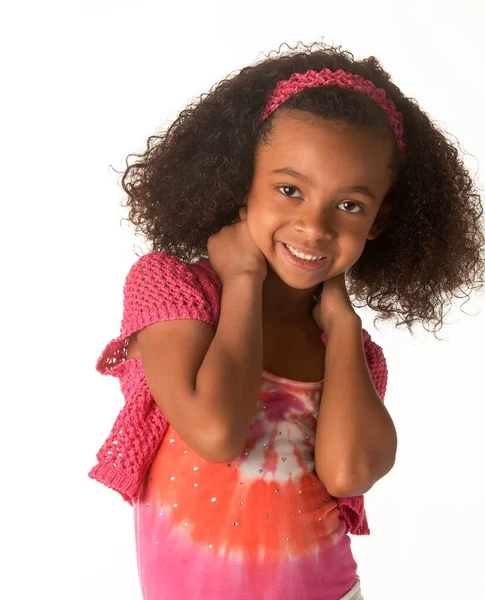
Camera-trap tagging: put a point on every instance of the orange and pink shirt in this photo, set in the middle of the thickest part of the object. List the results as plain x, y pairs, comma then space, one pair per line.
260, 527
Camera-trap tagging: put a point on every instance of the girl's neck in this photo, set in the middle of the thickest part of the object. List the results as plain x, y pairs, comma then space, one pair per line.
284, 304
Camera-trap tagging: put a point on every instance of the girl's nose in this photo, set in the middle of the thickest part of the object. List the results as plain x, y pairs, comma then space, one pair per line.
315, 225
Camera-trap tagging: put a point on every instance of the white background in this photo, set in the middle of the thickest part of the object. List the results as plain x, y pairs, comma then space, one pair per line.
84, 84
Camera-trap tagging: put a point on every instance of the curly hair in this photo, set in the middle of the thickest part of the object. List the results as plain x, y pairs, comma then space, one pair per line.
192, 179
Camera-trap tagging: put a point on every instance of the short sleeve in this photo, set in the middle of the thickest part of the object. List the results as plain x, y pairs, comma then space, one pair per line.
160, 287
377, 364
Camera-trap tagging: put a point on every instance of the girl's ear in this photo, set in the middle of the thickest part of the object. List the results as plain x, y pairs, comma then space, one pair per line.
381, 221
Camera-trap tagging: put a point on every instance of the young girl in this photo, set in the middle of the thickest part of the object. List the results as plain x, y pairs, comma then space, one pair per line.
254, 421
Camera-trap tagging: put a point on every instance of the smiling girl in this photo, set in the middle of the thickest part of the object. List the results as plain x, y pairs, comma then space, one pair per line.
254, 419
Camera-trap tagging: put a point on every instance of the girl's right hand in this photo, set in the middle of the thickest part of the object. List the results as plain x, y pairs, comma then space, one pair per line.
232, 251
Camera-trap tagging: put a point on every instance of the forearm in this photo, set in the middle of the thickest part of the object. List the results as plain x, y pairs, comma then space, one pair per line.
228, 381
356, 439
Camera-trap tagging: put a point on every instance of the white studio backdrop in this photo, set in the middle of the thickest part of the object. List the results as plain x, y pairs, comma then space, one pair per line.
85, 83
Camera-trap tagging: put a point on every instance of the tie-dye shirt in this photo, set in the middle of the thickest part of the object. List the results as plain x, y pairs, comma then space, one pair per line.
262, 527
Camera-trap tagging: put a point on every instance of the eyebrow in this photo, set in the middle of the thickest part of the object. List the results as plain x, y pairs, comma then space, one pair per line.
363, 189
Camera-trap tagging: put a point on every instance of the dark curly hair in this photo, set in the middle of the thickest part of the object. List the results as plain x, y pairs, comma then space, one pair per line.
193, 178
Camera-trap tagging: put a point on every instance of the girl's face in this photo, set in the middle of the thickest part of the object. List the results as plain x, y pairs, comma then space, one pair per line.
302, 194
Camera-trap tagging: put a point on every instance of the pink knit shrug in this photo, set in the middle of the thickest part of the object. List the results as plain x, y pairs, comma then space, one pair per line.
160, 287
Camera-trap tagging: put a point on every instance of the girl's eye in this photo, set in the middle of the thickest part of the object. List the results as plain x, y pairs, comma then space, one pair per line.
352, 204
288, 187
289, 194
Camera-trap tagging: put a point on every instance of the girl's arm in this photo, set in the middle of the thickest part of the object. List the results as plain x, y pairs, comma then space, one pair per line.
206, 384
356, 439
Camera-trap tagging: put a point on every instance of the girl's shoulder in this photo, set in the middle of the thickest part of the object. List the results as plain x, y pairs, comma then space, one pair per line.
161, 287
161, 278
157, 267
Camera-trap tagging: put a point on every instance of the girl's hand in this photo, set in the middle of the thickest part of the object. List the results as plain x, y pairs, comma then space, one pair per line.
334, 304
232, 251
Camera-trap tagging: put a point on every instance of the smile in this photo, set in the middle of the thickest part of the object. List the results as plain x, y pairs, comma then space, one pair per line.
301, 260
302, 255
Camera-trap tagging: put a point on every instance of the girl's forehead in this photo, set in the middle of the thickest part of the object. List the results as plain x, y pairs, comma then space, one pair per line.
315, 144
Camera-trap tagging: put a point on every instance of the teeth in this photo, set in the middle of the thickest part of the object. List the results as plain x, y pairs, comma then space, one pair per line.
299, 254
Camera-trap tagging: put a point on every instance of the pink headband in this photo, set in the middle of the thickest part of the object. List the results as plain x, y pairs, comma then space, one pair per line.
300, 81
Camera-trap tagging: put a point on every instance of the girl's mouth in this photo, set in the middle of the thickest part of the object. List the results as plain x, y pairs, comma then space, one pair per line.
301, 263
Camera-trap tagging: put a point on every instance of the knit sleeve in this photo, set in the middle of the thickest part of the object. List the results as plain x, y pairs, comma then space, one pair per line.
376, 362
160, 287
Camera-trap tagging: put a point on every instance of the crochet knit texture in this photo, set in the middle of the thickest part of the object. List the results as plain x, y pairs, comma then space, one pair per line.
160, 287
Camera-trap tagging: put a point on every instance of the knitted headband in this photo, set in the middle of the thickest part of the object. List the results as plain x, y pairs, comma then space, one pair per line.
300, 81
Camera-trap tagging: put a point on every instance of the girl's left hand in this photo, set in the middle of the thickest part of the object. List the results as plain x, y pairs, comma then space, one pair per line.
334, 304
